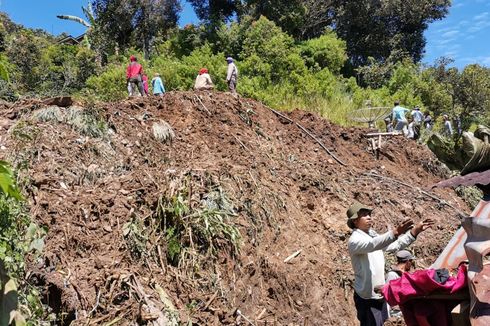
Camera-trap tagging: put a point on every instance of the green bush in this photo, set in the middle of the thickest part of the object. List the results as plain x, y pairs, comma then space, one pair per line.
110, 85
326, 51
18, 237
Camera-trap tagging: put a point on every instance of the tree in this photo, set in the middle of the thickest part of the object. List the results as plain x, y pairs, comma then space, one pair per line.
302, 19
152, 17
326, 51
214, 12
126, 23
473, 94
24, 52
375, 28
90, 24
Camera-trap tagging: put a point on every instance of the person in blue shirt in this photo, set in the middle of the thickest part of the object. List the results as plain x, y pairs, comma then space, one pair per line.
157, 85
399, 118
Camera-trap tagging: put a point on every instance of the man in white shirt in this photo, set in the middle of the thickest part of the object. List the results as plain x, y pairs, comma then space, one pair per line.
366, 251
417, 119
448, 128
231, 75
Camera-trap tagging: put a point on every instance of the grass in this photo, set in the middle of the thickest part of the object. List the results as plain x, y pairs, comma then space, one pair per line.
87, 122
163, 132
205, 229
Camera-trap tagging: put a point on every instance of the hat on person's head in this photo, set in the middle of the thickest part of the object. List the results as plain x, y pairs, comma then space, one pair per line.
203, 71
397, 102
417, 108
132, 58
229, 59
353, 211
404, 255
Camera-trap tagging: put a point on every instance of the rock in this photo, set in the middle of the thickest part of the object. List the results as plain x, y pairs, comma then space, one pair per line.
61, 101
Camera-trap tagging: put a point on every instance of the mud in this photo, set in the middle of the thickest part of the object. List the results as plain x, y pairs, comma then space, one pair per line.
287, 192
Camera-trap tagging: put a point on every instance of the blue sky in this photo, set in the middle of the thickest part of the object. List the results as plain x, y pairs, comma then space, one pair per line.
462, 35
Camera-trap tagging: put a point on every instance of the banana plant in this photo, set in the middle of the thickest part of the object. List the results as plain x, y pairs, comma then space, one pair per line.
89, 22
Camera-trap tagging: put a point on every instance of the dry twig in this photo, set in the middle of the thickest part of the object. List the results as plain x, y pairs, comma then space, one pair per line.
311, 135
401, 183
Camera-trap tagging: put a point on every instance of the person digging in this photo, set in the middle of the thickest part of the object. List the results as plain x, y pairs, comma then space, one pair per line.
366, 249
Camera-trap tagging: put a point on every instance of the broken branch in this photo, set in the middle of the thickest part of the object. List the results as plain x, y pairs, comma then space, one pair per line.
311, 135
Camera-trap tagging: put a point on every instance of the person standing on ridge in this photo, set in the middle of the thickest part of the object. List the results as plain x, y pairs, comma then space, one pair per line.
417, 120
366, 249
399, 118
134, 76
448, 128
157, 85
203, 81
231, 75
428, 121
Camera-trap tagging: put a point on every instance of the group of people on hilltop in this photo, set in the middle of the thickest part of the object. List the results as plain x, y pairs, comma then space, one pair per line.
204, 81
411, 127
137, 80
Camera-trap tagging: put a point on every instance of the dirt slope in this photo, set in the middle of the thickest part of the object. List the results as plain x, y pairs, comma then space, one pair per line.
98, 191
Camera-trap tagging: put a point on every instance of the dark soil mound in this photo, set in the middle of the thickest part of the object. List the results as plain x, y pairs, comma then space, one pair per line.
143, 198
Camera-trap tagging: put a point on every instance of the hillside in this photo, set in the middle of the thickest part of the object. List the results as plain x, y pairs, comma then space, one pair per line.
137, 225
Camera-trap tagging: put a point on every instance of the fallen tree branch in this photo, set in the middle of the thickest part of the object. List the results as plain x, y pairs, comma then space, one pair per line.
205, 108
401, 183
210, 300
295, 254
311, 135
239, 313
241, 143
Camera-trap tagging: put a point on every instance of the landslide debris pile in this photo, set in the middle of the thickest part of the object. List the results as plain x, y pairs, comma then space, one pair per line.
184, 208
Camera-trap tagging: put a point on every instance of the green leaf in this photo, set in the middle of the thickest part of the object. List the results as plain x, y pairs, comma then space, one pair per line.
37, 244
9, 301
7, 185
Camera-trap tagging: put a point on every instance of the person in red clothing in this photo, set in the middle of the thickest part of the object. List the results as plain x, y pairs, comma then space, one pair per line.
145, 84
134, 76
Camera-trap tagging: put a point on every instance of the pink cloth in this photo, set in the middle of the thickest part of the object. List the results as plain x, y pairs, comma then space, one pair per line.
424, 311
145, 84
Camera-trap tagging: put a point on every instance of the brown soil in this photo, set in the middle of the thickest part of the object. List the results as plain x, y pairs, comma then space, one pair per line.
288, 193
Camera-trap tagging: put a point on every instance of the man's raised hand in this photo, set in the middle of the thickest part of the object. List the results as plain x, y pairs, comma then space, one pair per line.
422, 226
403, 227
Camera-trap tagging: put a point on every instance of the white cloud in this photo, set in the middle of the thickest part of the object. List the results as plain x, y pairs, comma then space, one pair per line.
482, 60
478, 26
481, 16
450, 34
442, 43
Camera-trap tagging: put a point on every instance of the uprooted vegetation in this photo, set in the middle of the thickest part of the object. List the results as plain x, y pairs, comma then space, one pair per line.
192, 223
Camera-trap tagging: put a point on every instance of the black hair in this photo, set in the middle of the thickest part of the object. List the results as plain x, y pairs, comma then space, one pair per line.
484, 188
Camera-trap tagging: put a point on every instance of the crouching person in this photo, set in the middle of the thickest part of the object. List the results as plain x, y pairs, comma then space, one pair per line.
366, 249
203, 81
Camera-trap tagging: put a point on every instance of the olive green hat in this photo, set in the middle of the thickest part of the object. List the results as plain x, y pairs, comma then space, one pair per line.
353, 210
